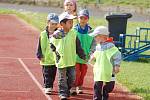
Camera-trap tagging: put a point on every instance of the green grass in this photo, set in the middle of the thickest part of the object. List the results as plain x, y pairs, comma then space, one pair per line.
36, 19
134, 75
138, 3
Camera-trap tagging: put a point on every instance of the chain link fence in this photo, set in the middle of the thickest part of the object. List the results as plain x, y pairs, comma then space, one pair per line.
37, 2
84, 4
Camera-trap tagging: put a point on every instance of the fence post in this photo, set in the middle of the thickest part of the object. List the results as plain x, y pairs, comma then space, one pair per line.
98, 1
49, 2
34, 2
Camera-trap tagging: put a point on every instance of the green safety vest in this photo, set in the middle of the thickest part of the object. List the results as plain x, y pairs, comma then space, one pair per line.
46, 51
67, 49
86, 42
103, 68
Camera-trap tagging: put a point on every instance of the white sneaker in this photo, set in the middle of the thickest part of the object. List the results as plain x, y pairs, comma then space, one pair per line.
63, 98
48, 90
79, 90
73, 91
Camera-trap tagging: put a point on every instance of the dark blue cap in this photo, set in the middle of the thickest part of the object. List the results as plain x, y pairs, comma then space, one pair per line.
84, 12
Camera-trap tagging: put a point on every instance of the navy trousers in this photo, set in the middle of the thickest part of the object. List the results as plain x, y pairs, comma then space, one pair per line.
49, 73
101, 91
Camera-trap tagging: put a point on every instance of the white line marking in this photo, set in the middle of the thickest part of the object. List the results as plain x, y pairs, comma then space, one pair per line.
15, 58
6, 62
29, 58
8, 58
14, 91
9, 75
33, 78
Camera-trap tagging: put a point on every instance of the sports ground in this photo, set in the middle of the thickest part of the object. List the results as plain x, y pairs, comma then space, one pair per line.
20, 73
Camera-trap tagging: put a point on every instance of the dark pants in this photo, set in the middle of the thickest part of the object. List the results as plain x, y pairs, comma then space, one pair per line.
66, 79
101, 92
49, 73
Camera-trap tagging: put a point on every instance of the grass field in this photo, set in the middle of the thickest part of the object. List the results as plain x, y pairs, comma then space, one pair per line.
138, 3
134, 75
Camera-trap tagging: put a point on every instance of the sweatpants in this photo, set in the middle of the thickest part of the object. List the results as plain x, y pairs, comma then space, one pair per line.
49, 73
81, 70
101, 90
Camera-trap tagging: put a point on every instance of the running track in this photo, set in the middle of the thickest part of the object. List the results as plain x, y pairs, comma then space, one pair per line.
20, 72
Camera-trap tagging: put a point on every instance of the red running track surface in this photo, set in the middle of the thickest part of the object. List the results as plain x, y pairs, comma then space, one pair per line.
20, 72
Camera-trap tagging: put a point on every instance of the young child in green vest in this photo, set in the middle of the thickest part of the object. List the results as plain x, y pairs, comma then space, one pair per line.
45, 53
82, 29
67, 45
108, 59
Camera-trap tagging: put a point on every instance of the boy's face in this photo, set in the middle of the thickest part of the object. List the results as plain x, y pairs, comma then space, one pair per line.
83, 20
68, 25
101, 38
52, 26
69, 7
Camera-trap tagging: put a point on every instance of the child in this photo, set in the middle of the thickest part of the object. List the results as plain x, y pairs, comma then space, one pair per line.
108, 60
67, 45
70, 6
45, 54
82, 30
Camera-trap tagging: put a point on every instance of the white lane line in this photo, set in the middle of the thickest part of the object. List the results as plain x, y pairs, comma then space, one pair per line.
9, 75
7, 62
16, 58
14, 91
30, 58
33, 78
8, 58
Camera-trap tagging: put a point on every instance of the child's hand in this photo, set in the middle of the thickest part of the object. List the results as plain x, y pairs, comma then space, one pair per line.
92, 58
86, 60
88, 63
42, 59
116, 69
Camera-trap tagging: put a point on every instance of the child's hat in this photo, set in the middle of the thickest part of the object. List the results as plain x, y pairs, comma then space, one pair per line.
100, 30
71, 1
53, 18
65, 15
83, 12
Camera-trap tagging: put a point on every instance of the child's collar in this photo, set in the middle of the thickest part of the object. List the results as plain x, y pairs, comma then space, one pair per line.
109, 39
62, 30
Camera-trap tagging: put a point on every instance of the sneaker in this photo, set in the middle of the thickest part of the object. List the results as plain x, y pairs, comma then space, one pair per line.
79, 90
63, 98
48, 90
73, 91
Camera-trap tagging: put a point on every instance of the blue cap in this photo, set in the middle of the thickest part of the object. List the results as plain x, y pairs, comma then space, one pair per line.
84, 12
52, 17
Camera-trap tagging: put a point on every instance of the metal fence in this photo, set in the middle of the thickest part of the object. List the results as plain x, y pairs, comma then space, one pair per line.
36, 2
